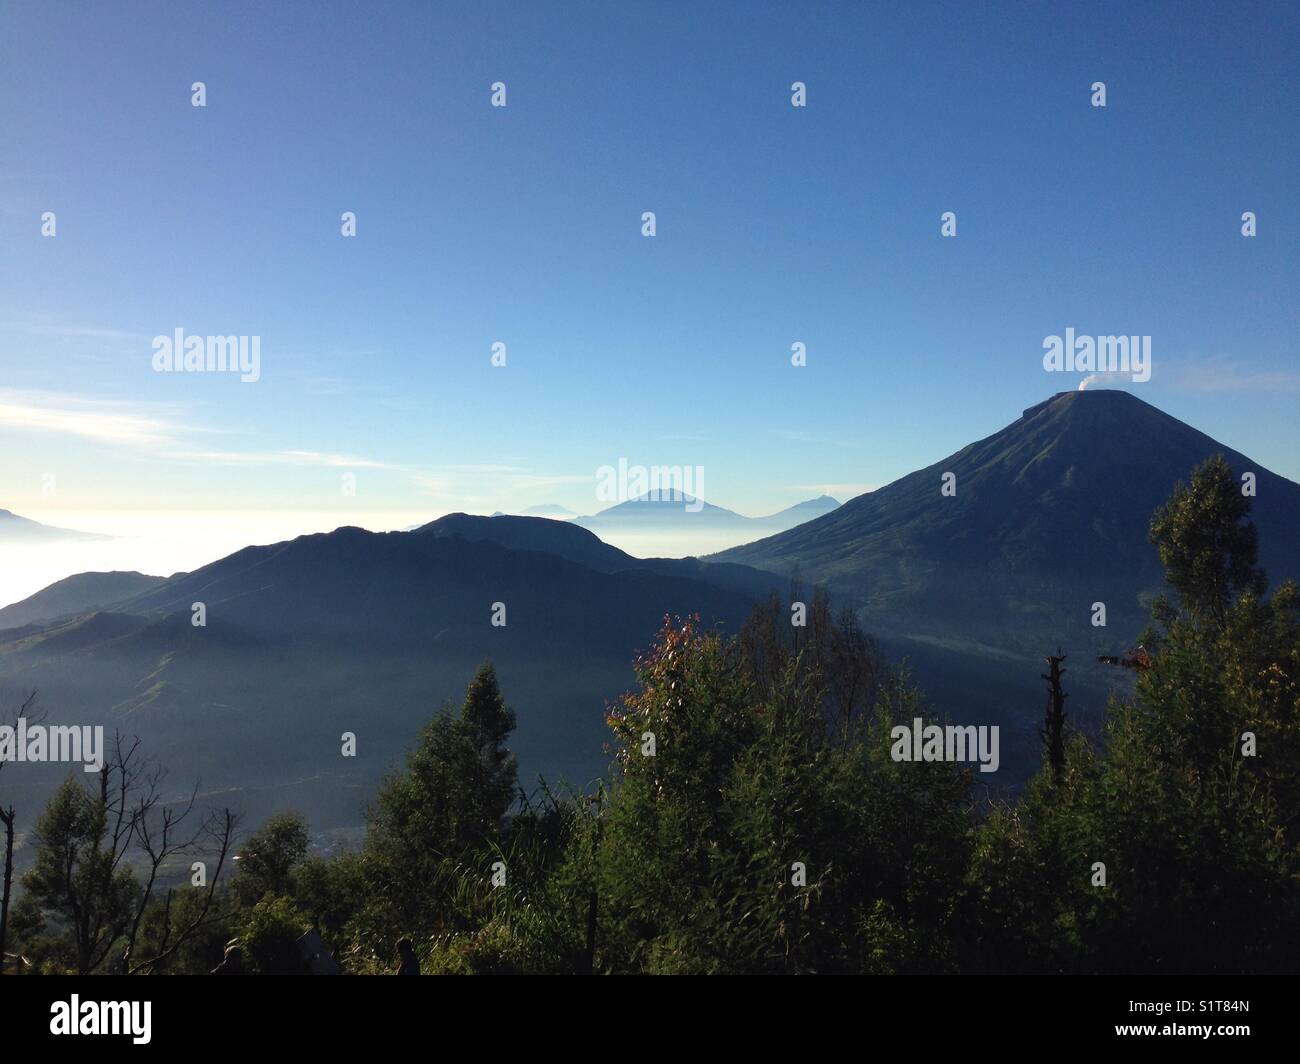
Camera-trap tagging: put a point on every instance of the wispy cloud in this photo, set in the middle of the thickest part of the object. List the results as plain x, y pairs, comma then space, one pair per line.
489, 481
48, 326
173, 434
287, 458
91, 419
88, 332
161, 430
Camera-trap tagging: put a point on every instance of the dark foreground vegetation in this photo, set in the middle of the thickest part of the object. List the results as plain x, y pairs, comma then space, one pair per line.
755, 821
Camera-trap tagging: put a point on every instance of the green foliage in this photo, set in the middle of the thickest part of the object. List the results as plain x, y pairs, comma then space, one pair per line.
75, 878
199, 953
267, 860
425, 822
1206, 543
700, 843
1197, 835
738, 761
271, 931
332, 890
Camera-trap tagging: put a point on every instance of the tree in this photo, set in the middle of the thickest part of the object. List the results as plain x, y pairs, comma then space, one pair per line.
8, 818
268, 859
81, 875
77, 873
489, 771
1053, 731
270, 937
160, 832
161, 941
761, 832
1206, 542
1191, 803
449, 804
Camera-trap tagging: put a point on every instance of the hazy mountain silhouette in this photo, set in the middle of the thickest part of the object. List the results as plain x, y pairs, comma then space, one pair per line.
23, 530
76, 594
673, 514
665, 509
361, 632
801, 512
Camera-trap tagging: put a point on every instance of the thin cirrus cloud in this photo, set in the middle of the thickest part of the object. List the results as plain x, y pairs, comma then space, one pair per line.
488, 484
156, 429
47, 326
89, 419
290, 458
160, 430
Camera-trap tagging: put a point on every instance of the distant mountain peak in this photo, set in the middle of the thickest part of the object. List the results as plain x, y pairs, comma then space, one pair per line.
668, 495
807, 510
545, 509
16, 527
662, 501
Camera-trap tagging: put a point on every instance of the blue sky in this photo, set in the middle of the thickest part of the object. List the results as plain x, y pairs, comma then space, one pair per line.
522, 225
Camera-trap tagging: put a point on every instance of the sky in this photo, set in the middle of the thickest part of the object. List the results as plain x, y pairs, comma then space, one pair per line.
522, 225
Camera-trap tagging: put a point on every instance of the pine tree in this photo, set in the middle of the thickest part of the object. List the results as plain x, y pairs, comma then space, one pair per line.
431, 825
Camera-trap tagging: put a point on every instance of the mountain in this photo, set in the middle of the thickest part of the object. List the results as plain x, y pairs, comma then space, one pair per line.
651, 525
689, 526
687, 510
363, 632
354, 631
567, 539
23, 530
77, 594
801, 512
1050, 515
665, 509
561, 538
